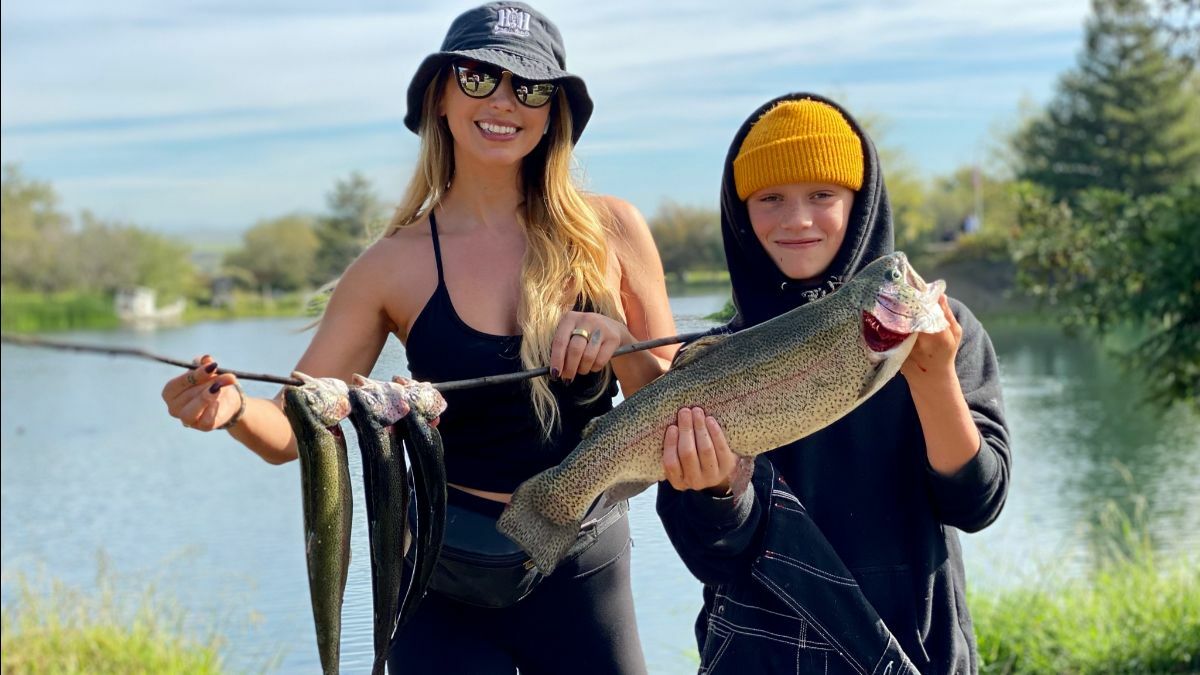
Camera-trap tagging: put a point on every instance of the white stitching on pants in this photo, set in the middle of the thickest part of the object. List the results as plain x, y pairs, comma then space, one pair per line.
834, 578
816, 624
766, 635
793, 617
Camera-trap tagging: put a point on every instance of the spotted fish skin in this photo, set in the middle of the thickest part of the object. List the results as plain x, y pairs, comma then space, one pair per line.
374, 407
312, 410
767, 386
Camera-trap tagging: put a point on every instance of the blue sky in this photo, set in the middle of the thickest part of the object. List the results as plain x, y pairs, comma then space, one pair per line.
202, 117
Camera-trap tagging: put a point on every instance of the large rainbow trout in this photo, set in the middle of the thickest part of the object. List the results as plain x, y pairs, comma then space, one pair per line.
768, 386
315, 411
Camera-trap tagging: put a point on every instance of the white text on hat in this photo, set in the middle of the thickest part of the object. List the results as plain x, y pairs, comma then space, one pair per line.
512, 21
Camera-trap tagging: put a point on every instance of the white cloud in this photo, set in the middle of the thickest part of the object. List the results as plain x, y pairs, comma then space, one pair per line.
123, 77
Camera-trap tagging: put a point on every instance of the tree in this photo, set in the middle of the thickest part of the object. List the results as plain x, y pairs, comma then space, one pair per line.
108, 257
1112, 260
33, 233
355, 215
1179, 21
951, 198
278, 252
905, 186
1126, 118
688, 238
907, 194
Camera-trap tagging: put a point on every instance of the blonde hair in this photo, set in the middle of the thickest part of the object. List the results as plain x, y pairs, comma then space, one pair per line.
566, 255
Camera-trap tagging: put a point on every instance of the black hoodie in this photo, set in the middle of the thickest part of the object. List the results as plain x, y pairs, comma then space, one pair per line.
865, 480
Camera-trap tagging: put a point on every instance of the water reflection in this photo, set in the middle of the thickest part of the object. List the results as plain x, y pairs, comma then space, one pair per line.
1082, 438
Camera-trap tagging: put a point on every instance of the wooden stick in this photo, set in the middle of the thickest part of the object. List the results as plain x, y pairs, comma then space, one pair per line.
30, 341
545, 370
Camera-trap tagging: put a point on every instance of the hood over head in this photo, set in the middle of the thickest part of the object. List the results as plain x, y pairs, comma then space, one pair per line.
760, 290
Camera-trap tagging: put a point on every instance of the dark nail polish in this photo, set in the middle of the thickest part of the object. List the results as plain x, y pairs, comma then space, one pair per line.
554, 373
215, 388
210, 367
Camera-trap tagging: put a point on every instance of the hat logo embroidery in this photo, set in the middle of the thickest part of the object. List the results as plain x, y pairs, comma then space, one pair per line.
512, 21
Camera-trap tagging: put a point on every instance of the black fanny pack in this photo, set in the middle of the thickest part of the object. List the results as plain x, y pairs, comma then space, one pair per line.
480, 566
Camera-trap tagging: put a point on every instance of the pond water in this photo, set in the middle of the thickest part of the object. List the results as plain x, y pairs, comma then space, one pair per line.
92, 465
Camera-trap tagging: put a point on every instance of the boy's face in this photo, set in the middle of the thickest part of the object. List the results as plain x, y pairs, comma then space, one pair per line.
801, 225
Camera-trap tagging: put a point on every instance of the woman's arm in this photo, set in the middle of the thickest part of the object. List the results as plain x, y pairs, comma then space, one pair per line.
643, 298
348, 340
643, 294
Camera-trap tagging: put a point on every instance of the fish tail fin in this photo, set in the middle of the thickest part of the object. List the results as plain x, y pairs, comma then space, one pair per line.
545, 540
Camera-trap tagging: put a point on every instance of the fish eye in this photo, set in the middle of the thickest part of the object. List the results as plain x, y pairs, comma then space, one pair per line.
896, 275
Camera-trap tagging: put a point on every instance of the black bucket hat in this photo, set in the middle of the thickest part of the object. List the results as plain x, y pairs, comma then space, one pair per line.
513, 36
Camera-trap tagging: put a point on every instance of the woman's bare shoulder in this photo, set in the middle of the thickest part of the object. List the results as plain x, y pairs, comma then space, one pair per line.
395, 272
621, 216
396, 253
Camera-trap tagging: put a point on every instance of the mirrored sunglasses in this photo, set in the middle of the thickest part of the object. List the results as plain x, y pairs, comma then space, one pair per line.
479, 80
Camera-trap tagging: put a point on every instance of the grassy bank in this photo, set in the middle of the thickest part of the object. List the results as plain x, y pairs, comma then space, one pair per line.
1134, 613
249, 305
31, 312
65, 631
24, 311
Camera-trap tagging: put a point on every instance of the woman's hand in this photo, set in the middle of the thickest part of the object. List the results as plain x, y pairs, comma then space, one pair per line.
931, 362
696, 455
584, 343
202, 399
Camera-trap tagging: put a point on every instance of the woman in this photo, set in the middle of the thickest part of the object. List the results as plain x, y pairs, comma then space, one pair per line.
841, 554
494, 262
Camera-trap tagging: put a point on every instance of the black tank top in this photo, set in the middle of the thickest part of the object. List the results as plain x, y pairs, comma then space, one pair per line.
492, 437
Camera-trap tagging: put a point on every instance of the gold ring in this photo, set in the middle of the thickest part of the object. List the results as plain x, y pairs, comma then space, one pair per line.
581, 332
191, 378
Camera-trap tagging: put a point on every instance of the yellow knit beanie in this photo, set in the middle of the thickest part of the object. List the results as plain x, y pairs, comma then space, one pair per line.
799, 142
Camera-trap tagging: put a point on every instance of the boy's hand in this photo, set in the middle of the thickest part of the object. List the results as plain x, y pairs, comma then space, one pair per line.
696, 455
931, 362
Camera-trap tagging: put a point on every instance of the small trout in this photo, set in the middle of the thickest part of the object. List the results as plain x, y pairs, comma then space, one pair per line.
424, 446
374, 408
767, 386
315, 411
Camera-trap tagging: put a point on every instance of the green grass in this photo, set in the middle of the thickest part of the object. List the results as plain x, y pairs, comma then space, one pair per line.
1134, 613
724, 314
706, 277
32, 312
27, 311
65, 631
248, 305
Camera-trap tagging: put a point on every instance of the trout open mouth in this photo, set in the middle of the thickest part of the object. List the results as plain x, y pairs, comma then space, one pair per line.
879, 338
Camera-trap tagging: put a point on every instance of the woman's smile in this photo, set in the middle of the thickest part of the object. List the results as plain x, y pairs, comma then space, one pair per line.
497, 130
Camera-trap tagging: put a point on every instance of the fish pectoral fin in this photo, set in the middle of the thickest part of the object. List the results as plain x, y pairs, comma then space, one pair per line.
693, 350
622, 491
885, 369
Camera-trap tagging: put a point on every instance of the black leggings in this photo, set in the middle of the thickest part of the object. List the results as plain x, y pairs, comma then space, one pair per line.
578, 620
